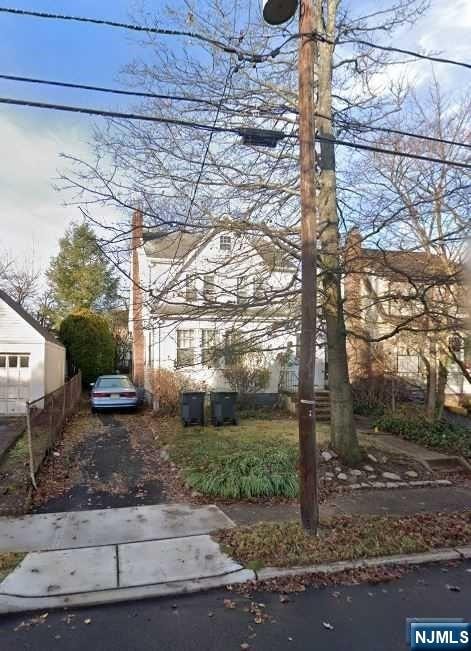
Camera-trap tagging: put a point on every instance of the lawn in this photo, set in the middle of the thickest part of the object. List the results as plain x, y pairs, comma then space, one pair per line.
344, 538
257, 458
14, 479
8, 562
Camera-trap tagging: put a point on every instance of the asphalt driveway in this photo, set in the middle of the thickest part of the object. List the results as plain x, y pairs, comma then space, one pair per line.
103, 461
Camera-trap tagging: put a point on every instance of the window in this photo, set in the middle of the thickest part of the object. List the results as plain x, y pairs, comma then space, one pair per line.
13, 361
117, 382
185, 347
208, 348
232, 349
3, 361
190, 287
24, 361
402, 299
209, 286
408, 364
225, 243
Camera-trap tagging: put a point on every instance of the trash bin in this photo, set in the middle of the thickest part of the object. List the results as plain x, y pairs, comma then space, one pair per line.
192, 407
223, 407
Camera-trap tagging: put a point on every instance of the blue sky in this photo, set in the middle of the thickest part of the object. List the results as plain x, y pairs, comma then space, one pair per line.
31, 212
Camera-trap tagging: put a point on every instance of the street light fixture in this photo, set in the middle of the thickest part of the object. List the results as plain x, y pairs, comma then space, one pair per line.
276, 12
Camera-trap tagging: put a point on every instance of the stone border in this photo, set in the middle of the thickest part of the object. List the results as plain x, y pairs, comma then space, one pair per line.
423, 483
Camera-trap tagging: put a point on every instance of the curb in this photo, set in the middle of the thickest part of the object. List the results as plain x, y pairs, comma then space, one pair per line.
458, 554
17, 604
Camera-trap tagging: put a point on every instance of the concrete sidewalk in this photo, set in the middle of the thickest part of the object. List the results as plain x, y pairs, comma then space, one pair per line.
398, 501
50, 531
85, 562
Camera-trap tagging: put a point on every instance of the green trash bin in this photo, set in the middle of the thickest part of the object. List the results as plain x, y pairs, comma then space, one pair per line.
223, 408
192, 407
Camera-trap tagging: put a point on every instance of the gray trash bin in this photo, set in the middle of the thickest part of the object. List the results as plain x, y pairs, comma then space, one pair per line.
223, 407
192, 407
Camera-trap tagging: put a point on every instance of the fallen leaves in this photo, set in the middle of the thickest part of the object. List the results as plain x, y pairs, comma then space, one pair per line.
228, 603
328, 626
284, 544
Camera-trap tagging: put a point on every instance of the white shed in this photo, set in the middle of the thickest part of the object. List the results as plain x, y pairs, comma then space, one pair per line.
32, 360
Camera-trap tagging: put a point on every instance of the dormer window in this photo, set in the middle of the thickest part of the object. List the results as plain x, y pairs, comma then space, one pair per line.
190, 288
225, 242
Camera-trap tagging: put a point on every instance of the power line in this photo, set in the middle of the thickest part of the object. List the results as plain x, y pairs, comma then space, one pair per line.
118, 114
390, 48
387, 48
241, 54
352, 124
218, 129
107, 89
409, 134
392, 152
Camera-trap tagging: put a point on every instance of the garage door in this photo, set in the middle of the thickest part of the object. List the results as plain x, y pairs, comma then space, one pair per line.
15, 383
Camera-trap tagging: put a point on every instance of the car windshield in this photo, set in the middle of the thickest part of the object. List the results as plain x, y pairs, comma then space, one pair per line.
114, 383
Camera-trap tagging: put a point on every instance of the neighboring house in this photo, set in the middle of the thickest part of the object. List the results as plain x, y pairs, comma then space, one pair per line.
415, 295
200, 300
197, 293
32, 361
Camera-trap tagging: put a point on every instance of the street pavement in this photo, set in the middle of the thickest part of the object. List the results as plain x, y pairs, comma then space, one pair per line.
364, 617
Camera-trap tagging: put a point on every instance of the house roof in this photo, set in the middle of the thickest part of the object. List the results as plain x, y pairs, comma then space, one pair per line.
414, 265
28, 318
170, 245
179, 245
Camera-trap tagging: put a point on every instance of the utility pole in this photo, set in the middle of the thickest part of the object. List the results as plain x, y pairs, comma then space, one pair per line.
307, 162
307, 424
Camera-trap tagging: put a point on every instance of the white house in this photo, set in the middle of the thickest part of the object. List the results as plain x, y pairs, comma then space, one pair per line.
200, 291
221, 290
32, 361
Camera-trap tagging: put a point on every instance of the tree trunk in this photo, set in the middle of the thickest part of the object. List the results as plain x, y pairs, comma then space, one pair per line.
343, 432
432, 383
441, 386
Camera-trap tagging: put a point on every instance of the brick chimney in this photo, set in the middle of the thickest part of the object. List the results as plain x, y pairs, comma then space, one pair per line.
358, 350
137, 302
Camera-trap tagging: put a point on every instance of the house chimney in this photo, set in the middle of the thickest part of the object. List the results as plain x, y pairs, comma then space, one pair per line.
137, 301
358, 350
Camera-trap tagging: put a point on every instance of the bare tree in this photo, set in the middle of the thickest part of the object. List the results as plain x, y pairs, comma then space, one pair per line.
421, 210
21, 281
187, 181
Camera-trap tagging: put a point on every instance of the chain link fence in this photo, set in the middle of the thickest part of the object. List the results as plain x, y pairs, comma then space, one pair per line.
45, 419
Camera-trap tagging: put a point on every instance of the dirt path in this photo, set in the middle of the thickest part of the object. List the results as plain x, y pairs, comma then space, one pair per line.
105, 461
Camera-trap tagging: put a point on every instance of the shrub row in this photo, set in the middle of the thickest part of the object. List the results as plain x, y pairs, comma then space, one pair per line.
440, 434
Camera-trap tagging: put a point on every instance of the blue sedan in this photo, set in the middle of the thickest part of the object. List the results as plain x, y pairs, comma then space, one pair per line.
113, 392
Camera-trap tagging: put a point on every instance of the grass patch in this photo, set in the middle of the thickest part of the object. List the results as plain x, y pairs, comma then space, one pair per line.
344, 538
18, 453
441, 434
258, 458
8, 562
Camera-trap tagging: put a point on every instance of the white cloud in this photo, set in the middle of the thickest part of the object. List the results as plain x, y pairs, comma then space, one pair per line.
32, 214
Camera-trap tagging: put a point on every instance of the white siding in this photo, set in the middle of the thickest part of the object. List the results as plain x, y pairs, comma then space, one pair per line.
165, 355
46, 359
18, 336
54, 366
